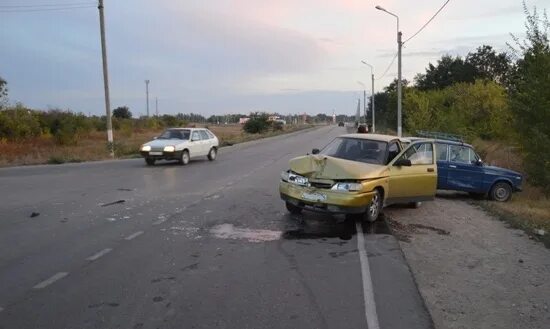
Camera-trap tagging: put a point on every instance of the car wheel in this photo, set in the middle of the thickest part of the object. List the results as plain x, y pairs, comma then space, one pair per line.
374, 207
149, 161
501, 191
184, 158
212, 154
295, 210
415, 205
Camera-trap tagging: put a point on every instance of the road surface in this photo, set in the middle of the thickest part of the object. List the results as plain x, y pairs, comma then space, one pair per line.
118, 244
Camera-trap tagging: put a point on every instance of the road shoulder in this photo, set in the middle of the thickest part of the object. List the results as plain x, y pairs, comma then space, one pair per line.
472, 270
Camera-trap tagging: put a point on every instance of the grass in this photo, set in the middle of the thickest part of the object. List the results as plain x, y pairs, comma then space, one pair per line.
44, 150
528, 210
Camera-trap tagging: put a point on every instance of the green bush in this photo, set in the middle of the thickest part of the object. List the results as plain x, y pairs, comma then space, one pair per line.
257, 124
19, 123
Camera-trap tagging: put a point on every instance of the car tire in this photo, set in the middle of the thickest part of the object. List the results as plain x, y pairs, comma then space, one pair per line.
295, 210
150, 161
212, 154
501, 192
415, 205
374, 208
184, 159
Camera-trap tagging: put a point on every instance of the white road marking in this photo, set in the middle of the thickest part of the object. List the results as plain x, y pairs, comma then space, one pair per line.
160, 221
134, 235
51, 280
99, 254
368, 292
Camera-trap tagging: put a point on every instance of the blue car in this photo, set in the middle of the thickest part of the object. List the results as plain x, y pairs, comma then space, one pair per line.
459, 168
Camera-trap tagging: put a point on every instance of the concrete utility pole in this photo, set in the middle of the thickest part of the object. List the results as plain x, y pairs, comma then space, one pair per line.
106, 79
399, 46
364, 99
157, 105
147, 95
372, 93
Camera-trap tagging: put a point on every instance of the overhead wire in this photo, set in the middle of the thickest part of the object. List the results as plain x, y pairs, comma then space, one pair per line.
388, 68
429, 21
48, 5
26, 10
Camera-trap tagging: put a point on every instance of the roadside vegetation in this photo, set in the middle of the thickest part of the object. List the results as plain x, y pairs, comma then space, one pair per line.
499, 102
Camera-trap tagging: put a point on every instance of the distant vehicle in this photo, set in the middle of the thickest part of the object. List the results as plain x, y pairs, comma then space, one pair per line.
358, 174
461, 169
182, 145
341, 124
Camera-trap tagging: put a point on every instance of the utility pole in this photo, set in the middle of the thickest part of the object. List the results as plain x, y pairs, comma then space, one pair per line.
147, 95
106, 80
365, 104
372, 102
399, 46
157, 105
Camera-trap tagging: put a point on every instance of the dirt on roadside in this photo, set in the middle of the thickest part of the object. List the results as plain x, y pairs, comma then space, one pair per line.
471, 269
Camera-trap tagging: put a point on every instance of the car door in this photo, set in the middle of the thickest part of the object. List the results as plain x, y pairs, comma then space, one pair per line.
442, 156
414, 182
206, 141
463, 173
195, 144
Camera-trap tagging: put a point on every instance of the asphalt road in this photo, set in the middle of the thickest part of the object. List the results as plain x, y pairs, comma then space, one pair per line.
117, 244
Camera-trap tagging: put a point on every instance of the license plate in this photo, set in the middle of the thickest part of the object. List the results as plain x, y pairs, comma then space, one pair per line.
314, 196
155, 153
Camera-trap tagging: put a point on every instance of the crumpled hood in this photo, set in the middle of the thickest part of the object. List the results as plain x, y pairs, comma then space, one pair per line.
164, 142
326, 167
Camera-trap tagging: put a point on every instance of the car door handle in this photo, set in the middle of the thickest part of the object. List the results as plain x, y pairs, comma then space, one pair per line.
452, 166
430, 169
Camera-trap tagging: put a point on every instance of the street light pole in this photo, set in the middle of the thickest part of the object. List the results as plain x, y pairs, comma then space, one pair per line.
372, 93
106, 79
364, 99
147, 95
399, 46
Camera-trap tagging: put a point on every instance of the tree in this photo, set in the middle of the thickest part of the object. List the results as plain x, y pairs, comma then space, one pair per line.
3, 93
489, 65
448, 71
122, 112
531, 97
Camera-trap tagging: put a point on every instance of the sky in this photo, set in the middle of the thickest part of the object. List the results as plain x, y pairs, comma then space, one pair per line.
223, 56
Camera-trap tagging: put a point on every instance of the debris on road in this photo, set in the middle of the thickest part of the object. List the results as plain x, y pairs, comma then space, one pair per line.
112, 203
35, 214
540, 232
228, 231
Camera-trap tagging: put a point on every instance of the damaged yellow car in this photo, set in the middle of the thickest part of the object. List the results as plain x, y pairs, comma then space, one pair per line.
358, 174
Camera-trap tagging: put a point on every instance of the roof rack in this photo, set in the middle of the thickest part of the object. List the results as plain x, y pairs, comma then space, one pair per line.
440, 135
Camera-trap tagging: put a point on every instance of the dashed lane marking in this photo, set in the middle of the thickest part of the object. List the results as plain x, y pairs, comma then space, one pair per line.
160, 221
47, 282
134, 235
99, 254
368, 292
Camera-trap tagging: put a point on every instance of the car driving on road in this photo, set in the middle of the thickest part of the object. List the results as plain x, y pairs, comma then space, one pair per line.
358, 174
182, 145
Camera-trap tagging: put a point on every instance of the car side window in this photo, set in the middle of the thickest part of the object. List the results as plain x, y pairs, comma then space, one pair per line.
204, 135
461, 154
196, 136
420, 154
210, 134
393, 151
441, 151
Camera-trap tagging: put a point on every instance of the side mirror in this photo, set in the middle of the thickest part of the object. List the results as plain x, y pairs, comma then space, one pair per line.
315, 151
402, 162
479, 162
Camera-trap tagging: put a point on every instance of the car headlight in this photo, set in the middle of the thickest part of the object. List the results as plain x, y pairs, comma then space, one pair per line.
146, 148
169, 148
348, 187
293, 178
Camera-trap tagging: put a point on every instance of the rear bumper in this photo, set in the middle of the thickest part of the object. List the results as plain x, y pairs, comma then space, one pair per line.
334, 203
164, 156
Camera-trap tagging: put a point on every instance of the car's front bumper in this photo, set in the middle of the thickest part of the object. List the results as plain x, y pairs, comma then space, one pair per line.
164, 156
334, 202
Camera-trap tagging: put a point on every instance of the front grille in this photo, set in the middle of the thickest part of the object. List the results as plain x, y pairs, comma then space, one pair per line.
321, 185
157, 148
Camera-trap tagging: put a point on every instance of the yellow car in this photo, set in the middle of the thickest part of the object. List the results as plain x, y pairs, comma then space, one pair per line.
358, 174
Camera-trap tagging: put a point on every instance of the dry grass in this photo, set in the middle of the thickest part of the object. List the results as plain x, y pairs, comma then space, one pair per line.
92, 147
529, 209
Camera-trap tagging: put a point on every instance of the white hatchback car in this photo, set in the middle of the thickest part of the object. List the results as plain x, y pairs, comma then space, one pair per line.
181, 144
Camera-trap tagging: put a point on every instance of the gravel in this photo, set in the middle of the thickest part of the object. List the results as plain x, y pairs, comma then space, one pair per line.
472, 270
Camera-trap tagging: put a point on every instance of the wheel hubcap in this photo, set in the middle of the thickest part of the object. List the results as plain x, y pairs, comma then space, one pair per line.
212, 153
501, 193
373, 208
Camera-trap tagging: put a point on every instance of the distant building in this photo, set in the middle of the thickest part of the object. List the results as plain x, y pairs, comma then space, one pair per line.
243, 120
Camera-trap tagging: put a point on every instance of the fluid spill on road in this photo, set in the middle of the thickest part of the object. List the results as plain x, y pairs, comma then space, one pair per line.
228, 231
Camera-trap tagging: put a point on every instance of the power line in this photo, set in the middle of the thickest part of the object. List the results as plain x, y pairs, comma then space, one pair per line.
11, 10
48, 5
388, 68
428, 22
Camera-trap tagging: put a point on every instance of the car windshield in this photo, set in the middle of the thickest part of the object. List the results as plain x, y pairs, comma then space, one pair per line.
175, 134
357, 149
